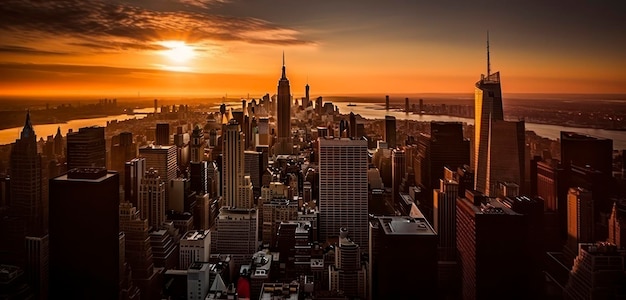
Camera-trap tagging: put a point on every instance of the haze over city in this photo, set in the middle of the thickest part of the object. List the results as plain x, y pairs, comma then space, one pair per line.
216, 47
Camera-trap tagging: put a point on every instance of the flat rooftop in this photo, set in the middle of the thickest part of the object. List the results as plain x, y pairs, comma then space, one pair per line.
403, 225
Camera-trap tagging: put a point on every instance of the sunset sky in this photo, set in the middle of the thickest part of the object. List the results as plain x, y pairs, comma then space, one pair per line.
214, 47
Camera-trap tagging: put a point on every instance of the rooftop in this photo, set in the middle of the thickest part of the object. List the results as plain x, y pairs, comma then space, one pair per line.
196, 235
403, 225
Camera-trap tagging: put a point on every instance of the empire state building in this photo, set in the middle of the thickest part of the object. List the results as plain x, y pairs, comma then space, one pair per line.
284, 145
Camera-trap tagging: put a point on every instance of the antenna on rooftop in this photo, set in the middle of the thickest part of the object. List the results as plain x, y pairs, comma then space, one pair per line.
488, 60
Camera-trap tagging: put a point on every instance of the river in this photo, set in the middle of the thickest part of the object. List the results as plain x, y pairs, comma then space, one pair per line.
376, 111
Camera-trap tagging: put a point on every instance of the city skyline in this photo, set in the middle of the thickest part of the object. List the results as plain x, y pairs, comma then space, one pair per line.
207, 47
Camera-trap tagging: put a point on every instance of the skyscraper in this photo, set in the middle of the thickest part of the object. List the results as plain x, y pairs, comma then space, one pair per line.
498, 145
86, 148
584, 150
237, 190
84, 235
598, 272
444, 215
398, 168
163, 160
163, 134
580, 221
343, 198
197, 144
284, 114
152, 198
28, 181
390, 131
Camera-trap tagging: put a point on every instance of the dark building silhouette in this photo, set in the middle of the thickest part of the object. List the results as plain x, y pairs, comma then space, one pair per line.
163, 134
283, 115
84, 235
584, 150
393, 240
390, 131
124, 150
353, 125
86, 148
491, 244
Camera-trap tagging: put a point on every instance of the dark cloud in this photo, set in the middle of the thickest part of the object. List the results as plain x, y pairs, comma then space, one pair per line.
28, 50
121, 26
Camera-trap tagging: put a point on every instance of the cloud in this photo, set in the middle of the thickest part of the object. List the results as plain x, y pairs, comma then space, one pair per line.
28, 50
117, 26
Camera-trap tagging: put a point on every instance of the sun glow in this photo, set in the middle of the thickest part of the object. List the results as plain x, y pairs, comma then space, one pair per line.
178, 51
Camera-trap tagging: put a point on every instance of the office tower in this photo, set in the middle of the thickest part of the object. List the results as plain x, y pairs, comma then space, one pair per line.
254, 166
348, 274
406, 105
84, 235
214, 179
162, 134
421, 106
544, 183
198, 284
151, 198
164, 247
387, 102
237, 188
163, 160
179, 196
59, 144
307, 100
584, 150
391, 275
121, 152
444, 216
617, 224
580, 221
133, 173
283, 116
264, 131
318, 106
274, 211
398, 168
28, 188
198, 176
390, 131
344, 128
38, 264
598, 273
353, 132
86, 148
202, 212
138, 250
195, 246
197, 144
260, 272
181, 141
343, 190
236, 232
491, 246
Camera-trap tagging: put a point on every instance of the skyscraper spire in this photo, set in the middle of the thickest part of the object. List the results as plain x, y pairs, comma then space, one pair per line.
284, 76
488, 59
28, 130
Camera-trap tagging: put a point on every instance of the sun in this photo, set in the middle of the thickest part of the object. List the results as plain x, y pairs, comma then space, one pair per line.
178, 51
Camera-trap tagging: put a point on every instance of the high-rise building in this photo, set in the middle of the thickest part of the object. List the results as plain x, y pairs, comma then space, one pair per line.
197, 144
348, 274
163, 160
498, 144
198, 284
86, 148
38, 264
598, 273
391, 275
584, 150
398, 168
236, 232
444, 216
390, 131
162, 134
617, 224
491, 247
195, 246
84, 235
121, 152
254, 166
134, 171
283, 116
138, 250
28, 188
152, 198
579, 221
274, 212
237, 187
198, 176
343, 190
387, 102
181, 141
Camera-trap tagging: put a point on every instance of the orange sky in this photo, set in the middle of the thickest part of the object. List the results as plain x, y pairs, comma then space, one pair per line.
118, 49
